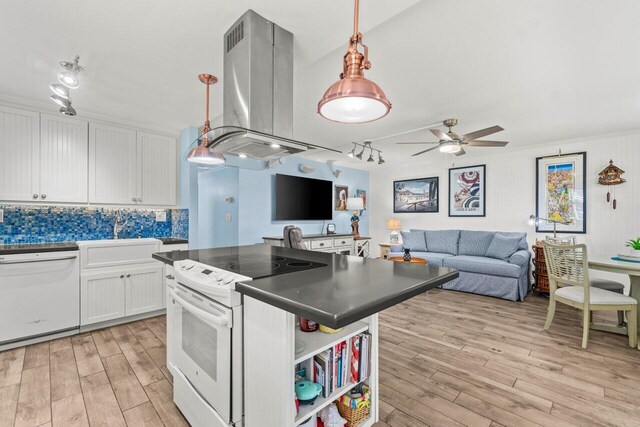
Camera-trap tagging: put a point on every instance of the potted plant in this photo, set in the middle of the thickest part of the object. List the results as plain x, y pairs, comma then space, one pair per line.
634, 248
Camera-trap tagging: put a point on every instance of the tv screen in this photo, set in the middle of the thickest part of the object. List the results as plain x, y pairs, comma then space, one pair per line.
299, 198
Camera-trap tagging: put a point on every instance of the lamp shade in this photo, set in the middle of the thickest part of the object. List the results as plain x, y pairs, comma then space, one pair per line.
205, 156
355, 203
354, 99
393, 224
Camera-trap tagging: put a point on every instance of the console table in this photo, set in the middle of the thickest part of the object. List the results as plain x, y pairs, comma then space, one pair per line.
343, 244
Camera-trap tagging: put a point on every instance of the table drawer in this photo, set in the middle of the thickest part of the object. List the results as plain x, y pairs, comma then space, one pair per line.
321, 244
343, 241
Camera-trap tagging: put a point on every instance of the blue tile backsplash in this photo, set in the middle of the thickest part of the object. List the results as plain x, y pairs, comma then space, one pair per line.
35, 224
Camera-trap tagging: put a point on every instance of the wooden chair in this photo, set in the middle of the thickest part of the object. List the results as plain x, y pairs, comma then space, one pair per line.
567, 265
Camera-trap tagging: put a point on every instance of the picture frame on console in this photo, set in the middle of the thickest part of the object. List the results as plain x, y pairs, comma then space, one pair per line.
467, 191
561, 196
416, 195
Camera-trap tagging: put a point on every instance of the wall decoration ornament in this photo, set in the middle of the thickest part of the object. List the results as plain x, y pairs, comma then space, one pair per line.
340, 197
467, 191
416, 195
561, 192
612, 176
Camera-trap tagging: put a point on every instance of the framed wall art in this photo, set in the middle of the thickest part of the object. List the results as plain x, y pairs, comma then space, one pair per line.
416, 195
340, 197
467, 191
561, 196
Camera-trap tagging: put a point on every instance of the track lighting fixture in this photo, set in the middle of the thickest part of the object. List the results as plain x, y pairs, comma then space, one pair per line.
366, 146
63, 102
68, 110
60, 90
69, 77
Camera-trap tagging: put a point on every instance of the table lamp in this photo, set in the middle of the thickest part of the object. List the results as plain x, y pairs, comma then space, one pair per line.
394, 225
355, 204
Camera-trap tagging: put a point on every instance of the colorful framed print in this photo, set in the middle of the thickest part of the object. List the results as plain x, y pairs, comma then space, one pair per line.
363, 195
340, 197
467, 191
416, 195
561, 197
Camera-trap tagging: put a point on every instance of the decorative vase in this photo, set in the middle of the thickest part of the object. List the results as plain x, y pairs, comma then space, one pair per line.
407, 255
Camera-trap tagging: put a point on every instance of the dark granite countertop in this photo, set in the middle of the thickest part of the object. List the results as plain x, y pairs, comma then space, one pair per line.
313, 236
347, 289
30, 248
172, 240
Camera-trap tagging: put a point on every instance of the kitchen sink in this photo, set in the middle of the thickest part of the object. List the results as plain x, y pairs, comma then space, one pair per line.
107, 253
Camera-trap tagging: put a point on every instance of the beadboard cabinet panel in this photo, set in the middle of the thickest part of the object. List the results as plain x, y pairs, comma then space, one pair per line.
64, 159
144, 289
157, 169
102, 296
112, 165
19, 154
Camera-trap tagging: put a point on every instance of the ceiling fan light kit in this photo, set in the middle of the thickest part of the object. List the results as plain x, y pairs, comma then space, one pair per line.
202, 154
354, 98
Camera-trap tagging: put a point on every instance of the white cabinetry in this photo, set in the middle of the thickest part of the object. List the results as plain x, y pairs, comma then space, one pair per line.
63, 159
19, 153
102, 296
144, 289
129, 167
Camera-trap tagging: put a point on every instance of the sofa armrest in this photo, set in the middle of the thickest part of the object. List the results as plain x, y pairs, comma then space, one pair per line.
521, 258
396, 248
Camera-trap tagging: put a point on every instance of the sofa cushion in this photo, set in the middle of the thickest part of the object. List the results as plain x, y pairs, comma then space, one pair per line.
522, 244
433, 258
442, 241
474, 243
414, 241
503, 246
483, 265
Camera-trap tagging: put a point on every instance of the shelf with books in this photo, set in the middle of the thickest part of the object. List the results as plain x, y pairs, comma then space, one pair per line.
307, 411
317, 342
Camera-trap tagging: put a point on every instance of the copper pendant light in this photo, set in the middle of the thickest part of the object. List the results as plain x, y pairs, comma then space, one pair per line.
354, 98
202, 153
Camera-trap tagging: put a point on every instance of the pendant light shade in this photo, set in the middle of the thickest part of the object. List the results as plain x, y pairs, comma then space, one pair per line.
354, 98
202, 153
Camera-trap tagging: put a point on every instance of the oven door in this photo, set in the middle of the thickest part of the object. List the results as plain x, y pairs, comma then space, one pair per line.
201, 346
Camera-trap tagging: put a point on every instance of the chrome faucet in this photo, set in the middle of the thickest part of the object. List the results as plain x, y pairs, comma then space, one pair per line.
117, 228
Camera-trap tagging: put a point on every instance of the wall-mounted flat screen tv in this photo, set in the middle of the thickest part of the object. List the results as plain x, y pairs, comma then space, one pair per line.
299, 198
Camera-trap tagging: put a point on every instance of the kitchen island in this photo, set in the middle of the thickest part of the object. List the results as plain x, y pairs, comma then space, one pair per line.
337, 291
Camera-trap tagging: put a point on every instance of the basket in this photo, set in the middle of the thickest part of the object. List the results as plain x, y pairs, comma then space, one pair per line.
355, 411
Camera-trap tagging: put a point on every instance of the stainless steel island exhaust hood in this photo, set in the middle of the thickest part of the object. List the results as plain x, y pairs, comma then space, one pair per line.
258, 93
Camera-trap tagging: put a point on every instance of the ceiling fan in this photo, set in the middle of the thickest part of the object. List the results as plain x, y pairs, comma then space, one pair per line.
453, 143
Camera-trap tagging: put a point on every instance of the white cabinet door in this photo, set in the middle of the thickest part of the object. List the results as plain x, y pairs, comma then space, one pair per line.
19, 146
112, 165
156, 169
102, 296
144, 289
64, 159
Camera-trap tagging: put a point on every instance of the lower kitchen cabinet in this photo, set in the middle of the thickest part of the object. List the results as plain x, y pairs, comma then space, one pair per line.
116, 293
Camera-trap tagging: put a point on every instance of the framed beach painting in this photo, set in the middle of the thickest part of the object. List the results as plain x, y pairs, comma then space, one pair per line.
561, 196
467, 191
416, 195
340, 196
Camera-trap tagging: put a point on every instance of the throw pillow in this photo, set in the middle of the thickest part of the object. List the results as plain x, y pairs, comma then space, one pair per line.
414, 241
503, 246
474, 243
443, 241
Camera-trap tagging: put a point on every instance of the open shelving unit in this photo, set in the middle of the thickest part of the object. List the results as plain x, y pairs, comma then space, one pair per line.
317, 342
307, 411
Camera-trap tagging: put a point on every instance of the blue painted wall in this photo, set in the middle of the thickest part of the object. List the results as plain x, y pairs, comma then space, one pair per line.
218, 207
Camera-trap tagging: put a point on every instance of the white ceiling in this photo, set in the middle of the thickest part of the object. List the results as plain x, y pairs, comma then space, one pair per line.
544, 70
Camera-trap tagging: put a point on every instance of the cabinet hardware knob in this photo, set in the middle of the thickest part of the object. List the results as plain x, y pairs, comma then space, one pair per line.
139, 199
321, 244
122, 276
133, 199
170, 276
44, 196
128, 275
35, 196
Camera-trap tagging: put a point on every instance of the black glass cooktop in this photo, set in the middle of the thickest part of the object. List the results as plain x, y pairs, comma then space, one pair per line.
256, 266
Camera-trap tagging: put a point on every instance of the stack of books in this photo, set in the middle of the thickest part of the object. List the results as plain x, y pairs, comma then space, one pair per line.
348, 362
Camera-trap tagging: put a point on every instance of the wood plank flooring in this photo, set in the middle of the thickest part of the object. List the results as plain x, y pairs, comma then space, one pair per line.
446, 359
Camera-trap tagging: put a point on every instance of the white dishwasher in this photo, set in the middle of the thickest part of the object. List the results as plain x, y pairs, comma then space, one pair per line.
39, 294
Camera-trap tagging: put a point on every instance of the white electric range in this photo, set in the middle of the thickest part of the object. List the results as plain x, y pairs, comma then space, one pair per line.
204, 333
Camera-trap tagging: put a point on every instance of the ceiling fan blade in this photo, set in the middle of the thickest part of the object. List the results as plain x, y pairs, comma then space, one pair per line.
426, 142
487, 143
425, 151
483, 132
461, 152
440, 135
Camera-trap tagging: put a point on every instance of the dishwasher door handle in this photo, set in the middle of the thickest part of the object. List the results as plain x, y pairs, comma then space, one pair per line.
27, 261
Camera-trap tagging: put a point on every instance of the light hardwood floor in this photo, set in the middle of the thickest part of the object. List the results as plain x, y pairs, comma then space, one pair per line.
446, 359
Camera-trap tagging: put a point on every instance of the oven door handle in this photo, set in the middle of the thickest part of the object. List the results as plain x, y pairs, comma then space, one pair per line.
198, 312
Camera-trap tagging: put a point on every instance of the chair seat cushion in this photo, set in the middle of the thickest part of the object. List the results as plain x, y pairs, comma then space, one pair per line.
597, 296
608, 285
483, 265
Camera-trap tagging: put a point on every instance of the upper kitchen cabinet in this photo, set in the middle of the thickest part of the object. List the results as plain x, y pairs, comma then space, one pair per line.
112, 165
157, 167
63, 159
19, 153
